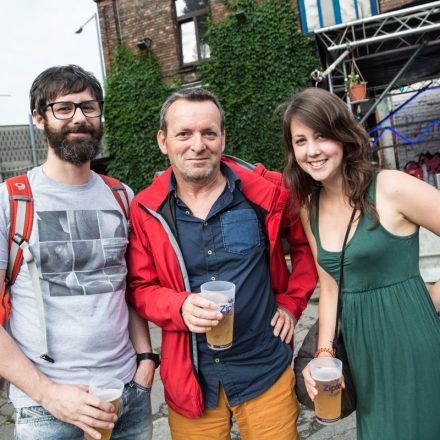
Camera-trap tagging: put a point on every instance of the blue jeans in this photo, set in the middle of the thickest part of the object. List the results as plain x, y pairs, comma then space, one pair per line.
134, 420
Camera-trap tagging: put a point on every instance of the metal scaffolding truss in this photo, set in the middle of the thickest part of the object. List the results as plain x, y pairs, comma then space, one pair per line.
417, 87
379, 39
371, 33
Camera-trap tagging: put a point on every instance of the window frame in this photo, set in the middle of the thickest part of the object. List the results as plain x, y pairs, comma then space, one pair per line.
187, 18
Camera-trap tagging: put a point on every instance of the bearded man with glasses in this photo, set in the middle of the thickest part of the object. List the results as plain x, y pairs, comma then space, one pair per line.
73, 135
78, 241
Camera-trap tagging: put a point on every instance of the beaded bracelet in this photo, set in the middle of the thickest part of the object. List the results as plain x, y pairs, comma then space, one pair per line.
325, 350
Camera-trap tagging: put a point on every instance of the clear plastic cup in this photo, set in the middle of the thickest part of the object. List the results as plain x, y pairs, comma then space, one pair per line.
109, 389
327, 373
220, 337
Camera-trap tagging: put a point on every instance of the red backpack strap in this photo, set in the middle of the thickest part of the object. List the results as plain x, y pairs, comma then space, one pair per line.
21, 218
120, 193
5, 304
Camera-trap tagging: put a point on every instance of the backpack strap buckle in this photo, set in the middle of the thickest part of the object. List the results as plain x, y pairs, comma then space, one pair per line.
18, 239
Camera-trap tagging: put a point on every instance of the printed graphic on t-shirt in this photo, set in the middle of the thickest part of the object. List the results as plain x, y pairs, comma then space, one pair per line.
82, 252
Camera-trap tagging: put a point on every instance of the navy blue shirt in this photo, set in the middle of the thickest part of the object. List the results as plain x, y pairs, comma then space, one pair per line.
229, 245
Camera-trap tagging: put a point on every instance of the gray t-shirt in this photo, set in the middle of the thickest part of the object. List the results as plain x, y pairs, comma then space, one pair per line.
78, 240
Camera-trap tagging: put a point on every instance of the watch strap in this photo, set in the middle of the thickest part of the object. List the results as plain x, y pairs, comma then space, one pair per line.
151, 356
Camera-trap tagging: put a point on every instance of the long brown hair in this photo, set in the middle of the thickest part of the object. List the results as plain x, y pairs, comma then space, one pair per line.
327, 114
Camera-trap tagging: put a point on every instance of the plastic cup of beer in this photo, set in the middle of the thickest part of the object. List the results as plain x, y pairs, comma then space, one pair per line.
327, 373
223, 294
109, 389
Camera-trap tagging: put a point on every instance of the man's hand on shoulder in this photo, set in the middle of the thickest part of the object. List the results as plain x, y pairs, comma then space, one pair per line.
199, 314
73, 404
283, 324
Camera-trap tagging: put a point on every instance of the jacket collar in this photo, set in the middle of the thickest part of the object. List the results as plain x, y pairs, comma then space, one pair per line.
257, 188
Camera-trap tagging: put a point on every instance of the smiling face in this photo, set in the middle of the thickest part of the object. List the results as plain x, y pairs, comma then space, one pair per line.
318, 156
193, 141
73, 140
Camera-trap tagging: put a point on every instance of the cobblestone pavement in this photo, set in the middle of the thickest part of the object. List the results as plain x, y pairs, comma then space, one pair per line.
307, 426
6, 417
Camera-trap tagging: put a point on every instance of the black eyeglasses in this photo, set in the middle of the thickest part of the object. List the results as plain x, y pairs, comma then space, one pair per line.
66, 110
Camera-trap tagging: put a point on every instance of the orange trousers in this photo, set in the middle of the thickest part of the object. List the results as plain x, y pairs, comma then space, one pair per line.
269, 416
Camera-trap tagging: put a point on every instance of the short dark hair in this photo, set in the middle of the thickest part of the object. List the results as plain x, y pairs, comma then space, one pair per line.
195, 95
62, 80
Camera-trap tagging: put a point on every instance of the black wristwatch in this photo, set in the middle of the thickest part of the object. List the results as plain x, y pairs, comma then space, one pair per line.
153, 356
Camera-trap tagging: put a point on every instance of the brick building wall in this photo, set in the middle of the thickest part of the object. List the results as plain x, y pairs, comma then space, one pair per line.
413, 120
132, 20
415, 117
389, 5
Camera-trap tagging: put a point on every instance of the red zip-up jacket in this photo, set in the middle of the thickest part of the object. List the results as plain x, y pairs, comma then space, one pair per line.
158, 283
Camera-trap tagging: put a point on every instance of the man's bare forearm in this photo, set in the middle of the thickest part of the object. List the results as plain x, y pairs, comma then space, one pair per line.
140, 338
139, 332
19, 370
69, 403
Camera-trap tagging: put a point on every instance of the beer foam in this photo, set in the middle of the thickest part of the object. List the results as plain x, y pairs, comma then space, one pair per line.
325, 374
108, 394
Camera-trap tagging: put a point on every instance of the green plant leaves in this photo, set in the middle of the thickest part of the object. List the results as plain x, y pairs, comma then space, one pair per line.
135, 93
256, 64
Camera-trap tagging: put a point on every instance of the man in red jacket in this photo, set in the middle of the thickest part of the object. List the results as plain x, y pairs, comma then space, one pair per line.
211, 217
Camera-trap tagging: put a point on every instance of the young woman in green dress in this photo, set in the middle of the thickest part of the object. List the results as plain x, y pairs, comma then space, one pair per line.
389, 320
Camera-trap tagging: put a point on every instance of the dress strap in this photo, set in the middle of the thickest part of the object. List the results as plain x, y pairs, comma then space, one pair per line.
314, 218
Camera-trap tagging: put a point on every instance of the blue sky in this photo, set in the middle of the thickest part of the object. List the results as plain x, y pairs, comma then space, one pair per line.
35, 35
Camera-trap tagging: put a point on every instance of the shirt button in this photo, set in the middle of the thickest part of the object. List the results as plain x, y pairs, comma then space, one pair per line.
212, 278
187, 212
216, 360
209, 252
205, 223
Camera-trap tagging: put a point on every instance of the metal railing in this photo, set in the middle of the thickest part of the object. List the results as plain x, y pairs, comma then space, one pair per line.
21, 148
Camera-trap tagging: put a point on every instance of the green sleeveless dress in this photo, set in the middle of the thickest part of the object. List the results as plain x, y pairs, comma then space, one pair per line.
391, 332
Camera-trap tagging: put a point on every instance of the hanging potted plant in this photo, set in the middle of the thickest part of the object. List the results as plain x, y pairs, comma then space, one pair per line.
355, 84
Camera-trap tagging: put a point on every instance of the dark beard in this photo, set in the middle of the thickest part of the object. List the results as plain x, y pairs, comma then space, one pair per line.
76, 152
